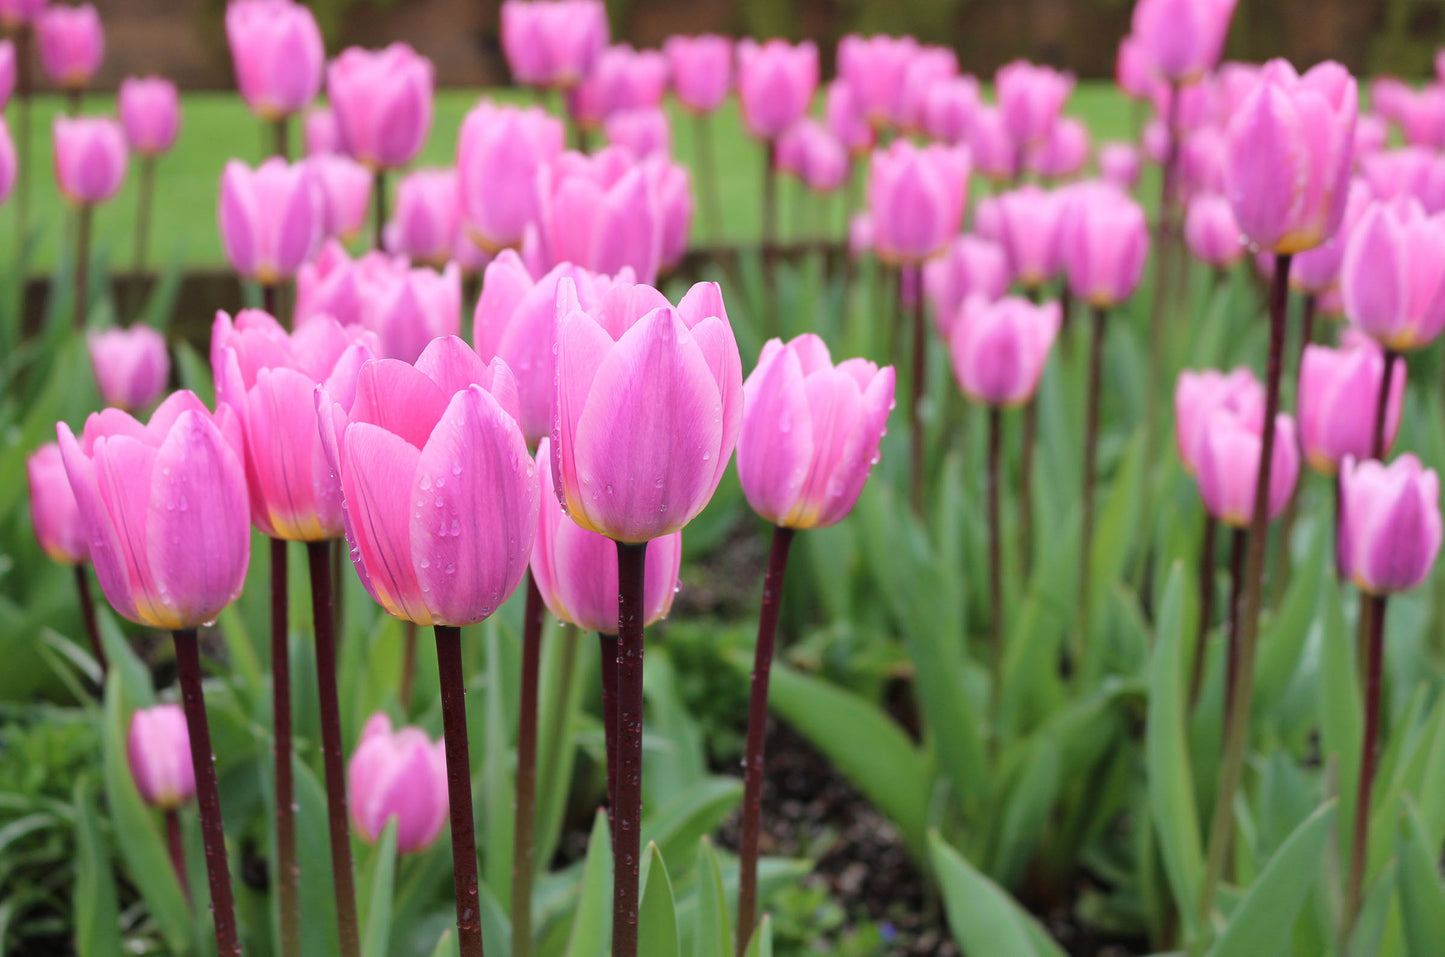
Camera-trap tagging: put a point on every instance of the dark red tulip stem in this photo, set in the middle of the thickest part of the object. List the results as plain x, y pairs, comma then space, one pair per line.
1206, 606
459, 789
280, 129
287, 873
1382, 405
1372, 639
995, 552
1239, 543
627, 816
87, 614
524, 830
607, 648
178, 851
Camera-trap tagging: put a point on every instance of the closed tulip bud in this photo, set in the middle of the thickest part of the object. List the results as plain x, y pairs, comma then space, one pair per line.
426, 222
1210, 231
397, 775
17, 13
164, 509
266, 378
1119, 164
949, 109
53, 512
499, 152
1031, 97
776, 82
671, 186
1389, 523
576, 570
158, 748
1198, 395
1063, 151
131, 366
990, 146
345, 187
1422, 116
1371, 135
860, 234
1027, 223
808, 150
810, 432
648, 406
916, 197
971, 266
1131, 69
874, 69
1104, 239
600, 212
1339, 391
1388, 96
553, 44
1203, 161
928, 70
701, 69
441, 495
845, 118
1182, 40
278, 54
7, 71
321, 135
382, 100
1393, 274
623, 79
72, 44
9, 163
335, 285
1289, 155
1229, 451
90, 158
1317, 271
642, 132
271, 218
999, 348
150, 111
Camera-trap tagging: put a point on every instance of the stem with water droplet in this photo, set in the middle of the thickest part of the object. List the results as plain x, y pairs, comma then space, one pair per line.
1372, 639
287, 874
607, 647
753, 761
459, 788
627, 816
524, 836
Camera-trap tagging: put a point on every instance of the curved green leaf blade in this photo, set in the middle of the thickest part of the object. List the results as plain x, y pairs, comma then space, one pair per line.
657, 914
592, 925
985, 920
97, 914
713, 936
383, 878
1422, 896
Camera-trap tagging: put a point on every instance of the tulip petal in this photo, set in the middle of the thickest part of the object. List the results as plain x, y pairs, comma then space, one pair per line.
376, 481
401, 399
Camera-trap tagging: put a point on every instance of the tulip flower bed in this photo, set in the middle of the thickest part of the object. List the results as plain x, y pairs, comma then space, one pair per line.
1052, 573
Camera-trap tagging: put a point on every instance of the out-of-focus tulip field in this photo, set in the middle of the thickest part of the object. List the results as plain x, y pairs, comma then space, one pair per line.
729, 499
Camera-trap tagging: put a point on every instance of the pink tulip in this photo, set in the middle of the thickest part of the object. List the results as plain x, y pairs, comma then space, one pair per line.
1393, 274
397, 775
1203, 162
860, 234
1317, 270
1119, 164
916, 198
553, 44
158, 748
874, 69
576, 570
623, 79
999, 348
90, 158
321, 134
1229, 449
164, 509
928, 70
1198, 395
1289, 156
1063, 151
1389, 523
701, 69
1028, 220
817, 157
16, 13
426, 222
1104, 240
1182, 40
642, 132
1210, 231
72, 44
991, 148
600, 212
278, 54
845, 118
1031, 97
345, 187
810, 432
53, 512
1132, 70
1410, 171
949, 109
266, 378
7, 72
971, 266
131, 366
499, 151
150, 111
1339, 392
1421, 116
776, 82
9, 163
271, 218
671, 187
648, 406
1372, 133
382, 100
1389, 96
442, 433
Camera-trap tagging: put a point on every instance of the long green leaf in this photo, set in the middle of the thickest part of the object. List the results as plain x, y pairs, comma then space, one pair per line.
762, 943
591, 926
985, 920
657, 914
375, 938
1422, 896
97, 914
676, 826
713, 934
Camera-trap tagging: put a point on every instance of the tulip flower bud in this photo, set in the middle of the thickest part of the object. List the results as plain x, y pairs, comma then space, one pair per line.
1104, 239
860, 235
170, 535
949, 109
1119, 164
1229, 450
397, 775
499, 151
1389, 523
405, 307
971, 266
7, 71
874, 69
321, 135
846, 120
345, 188
670, 185
916, 198
701, 69
441, 495
426, 222
1210, 231
1339, 392
1182, 40
648, 408
1031, 97
72, 44
53, 512
553, 44
1393, 274
1131, 69
1289, 155
1197, 395
576, 570
600, 212
928, 70
278, 54
158, 748
1410, 171
990, 146
1027, 221
90, 158
1062, 152
810, 432
776, 82
131, 366
1203, 157
623, 79
642, 132
382, 101
999, 348
271, 218
1371, 135
150, 111
814, 155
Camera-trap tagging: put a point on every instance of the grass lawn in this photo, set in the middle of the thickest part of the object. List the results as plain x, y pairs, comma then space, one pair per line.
216, 126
